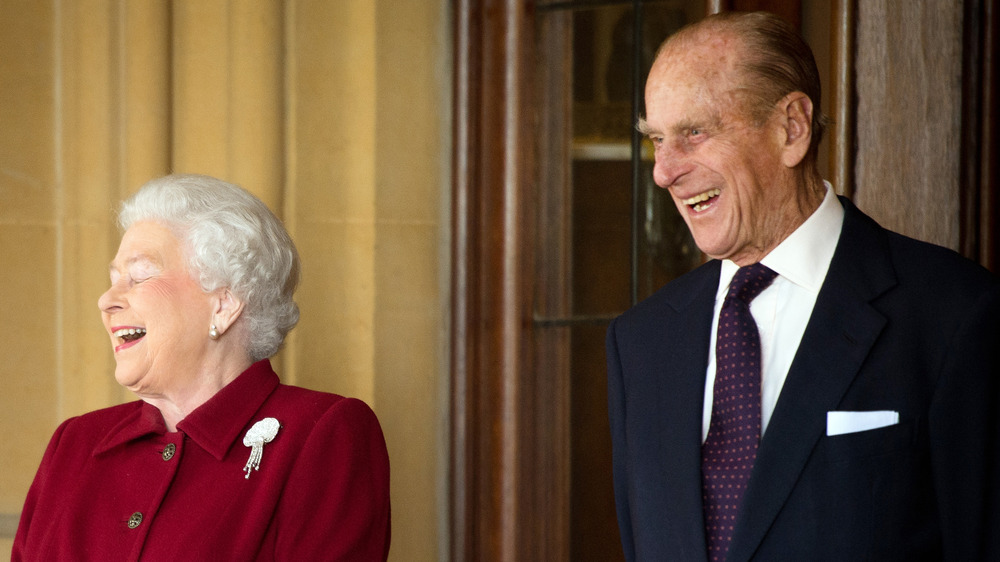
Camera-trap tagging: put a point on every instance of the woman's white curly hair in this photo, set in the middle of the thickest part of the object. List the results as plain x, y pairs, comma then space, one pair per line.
232, 240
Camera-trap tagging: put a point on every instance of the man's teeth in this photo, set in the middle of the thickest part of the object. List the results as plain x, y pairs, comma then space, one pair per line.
129, 334
701, 198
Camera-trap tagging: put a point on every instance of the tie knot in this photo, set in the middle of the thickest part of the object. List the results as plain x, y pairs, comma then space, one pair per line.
749, 281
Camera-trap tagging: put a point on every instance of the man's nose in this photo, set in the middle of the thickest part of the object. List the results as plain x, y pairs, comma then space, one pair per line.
669, 165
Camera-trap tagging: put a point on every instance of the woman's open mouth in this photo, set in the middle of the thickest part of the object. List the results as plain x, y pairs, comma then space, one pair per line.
128, 336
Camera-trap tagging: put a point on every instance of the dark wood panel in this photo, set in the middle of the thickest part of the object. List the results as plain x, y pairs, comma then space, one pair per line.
980, 167
990, 149
503, 474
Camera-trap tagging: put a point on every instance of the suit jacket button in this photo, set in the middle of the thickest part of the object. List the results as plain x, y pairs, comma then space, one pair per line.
135, 520
168, 451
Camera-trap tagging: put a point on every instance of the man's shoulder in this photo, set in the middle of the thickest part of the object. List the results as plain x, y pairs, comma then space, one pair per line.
912, 263
906, 250
945, 275
932, 259
695, 287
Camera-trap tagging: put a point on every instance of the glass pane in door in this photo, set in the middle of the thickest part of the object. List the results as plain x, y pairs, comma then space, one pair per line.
606, 235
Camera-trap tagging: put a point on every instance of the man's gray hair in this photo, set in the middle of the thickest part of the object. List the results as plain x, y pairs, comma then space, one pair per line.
231, 240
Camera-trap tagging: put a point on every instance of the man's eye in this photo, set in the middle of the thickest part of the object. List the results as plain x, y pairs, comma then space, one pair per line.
695, 132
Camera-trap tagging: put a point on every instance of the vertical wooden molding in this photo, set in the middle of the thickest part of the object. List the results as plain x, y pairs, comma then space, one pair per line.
979, 173
842, 147
990, 178
970, 228
467, 70
493, 514
552, 239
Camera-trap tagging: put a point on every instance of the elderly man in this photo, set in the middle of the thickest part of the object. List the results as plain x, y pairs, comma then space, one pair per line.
822, 389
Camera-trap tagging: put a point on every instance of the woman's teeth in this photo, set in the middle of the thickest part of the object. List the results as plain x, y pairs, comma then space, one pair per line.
129, 334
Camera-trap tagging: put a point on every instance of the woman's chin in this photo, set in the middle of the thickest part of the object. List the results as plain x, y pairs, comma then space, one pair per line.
129, 379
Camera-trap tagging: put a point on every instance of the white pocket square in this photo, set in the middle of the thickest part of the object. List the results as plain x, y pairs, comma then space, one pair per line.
839, 423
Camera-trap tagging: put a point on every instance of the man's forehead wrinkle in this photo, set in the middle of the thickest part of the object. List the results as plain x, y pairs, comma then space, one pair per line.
702, 106
709, 93
697, 77
706, 53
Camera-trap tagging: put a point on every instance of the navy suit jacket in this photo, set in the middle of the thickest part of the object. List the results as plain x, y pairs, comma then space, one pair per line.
898, 325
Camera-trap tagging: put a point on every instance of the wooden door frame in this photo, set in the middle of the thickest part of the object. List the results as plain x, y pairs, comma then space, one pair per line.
979, 171
494, 514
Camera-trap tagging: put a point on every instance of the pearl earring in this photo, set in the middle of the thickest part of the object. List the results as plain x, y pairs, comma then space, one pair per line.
213, 333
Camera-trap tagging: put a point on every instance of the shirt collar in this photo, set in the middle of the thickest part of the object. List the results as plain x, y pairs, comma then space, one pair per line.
214, 425
804, 257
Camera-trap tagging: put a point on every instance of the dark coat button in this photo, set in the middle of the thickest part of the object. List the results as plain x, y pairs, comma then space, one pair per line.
168, 451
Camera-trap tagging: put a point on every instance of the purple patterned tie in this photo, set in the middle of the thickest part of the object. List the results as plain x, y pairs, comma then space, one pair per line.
734, 432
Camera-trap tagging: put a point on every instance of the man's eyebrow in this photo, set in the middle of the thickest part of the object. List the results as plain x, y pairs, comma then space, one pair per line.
687, 125
643, 127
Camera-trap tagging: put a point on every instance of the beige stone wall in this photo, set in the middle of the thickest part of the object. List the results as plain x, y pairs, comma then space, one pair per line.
334, 113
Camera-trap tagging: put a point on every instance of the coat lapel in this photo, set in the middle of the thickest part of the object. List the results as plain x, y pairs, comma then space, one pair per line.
841, 332
683, 395
661, 345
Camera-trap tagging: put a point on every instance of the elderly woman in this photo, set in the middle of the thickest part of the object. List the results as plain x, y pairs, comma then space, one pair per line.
218, 460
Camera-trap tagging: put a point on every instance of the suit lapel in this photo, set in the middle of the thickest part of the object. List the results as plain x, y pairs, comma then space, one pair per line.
663, 355
841, 331
683, 394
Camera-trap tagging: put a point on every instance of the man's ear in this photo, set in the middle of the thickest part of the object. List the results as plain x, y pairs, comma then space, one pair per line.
228, 308
796, 120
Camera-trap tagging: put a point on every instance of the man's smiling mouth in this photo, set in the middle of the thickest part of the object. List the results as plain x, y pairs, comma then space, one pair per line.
702, 201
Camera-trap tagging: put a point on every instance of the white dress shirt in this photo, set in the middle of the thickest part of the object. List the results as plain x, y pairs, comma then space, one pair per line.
783, 309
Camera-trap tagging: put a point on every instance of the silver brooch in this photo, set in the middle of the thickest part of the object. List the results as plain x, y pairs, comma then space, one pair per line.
261, 432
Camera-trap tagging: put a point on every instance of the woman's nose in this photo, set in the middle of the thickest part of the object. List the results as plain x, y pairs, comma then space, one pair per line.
111, 299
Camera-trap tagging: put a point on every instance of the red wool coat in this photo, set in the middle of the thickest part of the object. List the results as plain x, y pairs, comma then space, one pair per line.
115, 485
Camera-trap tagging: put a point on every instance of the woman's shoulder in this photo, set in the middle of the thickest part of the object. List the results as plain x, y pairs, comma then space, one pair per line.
302, 402
322, 423
99, 422
80, 435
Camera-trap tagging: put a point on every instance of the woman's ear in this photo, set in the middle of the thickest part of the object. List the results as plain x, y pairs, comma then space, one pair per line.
228, 308
796, 120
